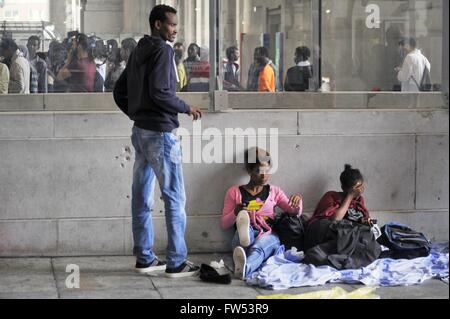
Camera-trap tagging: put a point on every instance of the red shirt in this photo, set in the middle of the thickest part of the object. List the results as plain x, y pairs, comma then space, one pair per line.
82, 77
331, 202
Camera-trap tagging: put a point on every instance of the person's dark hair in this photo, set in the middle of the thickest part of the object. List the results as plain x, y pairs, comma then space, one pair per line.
263, 51
178, 44
196, 46
230, 51
303, 53
159, 13
129, 44
83, 41
112, 43
350, 176
34, 38
255, 158
412, 42
8, 43
401, 42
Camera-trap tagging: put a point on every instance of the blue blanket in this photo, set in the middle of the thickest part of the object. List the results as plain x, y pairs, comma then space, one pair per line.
284, 270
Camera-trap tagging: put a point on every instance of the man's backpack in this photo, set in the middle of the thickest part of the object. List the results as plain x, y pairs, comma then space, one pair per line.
425, 84
403, 242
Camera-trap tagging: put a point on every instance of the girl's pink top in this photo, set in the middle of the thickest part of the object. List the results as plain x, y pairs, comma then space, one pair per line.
258, 219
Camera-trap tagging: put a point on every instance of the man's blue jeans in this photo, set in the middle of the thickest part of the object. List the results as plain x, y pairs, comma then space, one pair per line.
158, 157
259, 250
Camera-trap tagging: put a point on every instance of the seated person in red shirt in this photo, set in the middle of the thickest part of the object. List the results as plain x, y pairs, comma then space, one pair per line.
335, 206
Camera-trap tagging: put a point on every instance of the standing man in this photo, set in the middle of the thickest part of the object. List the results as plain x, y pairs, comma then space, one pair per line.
146, 93
231, 70
37, 63
415, 71
19, 68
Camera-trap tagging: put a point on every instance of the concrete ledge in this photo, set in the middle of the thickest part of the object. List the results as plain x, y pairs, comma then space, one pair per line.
336, 100
224, 100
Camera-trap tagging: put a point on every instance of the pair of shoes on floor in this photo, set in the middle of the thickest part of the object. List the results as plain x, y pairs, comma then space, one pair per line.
211, 274
240, 262
186, 269
243, 228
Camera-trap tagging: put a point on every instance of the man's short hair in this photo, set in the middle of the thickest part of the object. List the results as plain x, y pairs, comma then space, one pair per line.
34, 38
230, 51
412, 42
263, 51
303, 52
159, 13
8, 43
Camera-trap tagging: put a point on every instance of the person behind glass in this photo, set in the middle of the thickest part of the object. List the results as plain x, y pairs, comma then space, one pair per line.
4, 77
261, 75
34, 77
178, 48
19, 67
56, 59
297, 78
80, 68
231, 70
115, 66
336, 206
254, 242
192, 59
199, 75
414, 66
146, 92
127, 47
38, 64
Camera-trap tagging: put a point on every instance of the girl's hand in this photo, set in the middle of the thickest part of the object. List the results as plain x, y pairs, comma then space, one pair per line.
294, 201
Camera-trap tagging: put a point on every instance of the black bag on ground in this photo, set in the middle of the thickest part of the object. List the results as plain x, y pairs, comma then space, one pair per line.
349, 245
290, 230
403, 242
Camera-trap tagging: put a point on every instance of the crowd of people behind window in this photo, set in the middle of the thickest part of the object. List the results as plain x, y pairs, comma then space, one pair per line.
82, 63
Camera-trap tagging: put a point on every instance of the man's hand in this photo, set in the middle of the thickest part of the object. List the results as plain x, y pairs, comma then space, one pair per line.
195, 112
294, 201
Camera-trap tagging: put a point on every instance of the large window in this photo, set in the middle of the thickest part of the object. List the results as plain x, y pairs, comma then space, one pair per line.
263, 45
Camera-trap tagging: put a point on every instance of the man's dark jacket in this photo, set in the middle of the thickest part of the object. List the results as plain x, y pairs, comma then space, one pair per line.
146, 89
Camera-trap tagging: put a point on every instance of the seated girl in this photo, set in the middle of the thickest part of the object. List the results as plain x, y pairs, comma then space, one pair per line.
251, 209
335, 206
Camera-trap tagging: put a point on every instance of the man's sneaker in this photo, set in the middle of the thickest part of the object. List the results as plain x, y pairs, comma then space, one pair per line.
187, 269
243, 228
155, 265
240, 261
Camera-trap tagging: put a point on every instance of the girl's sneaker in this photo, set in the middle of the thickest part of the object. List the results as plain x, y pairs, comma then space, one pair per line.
240, 261
243, 228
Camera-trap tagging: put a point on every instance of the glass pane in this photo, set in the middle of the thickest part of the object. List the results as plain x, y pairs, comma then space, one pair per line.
277, 26
113, 28
360, 44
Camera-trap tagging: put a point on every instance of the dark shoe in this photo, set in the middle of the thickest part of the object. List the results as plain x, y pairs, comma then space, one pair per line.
155, 265
187, 269
210, 274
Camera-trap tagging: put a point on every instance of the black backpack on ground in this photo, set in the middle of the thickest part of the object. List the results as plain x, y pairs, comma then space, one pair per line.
348, 245
403, 242
290, 230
